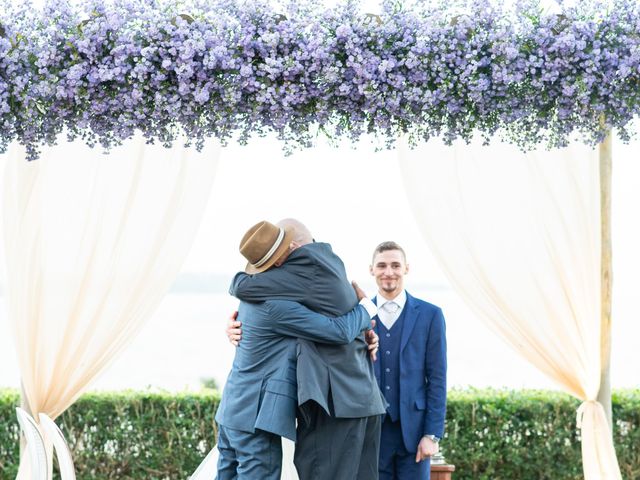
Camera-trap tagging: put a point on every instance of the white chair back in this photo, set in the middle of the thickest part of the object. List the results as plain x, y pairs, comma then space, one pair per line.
65, 460
288, 470
208, 468
35, 445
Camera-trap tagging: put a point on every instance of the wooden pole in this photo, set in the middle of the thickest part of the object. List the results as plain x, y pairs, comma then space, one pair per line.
604, 395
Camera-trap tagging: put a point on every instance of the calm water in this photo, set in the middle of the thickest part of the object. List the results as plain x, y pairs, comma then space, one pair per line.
184, 342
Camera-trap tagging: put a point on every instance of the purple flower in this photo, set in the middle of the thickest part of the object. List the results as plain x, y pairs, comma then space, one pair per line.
101, 71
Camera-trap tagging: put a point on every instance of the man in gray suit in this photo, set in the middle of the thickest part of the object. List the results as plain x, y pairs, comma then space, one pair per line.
340, 402
259, 401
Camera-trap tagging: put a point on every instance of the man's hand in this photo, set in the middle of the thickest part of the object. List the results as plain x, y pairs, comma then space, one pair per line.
359, 292
426, 448
373, 341
234, 332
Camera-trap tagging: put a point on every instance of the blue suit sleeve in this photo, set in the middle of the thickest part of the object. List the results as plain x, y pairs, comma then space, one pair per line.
436, 370
294, 320
276, 283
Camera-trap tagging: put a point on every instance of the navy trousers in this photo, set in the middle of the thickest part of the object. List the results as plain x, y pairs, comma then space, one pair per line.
396, 463
248, 456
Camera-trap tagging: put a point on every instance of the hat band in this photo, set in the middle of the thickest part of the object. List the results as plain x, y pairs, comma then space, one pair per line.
273, 249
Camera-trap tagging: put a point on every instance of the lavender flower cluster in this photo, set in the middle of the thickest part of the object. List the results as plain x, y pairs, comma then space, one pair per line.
233, 69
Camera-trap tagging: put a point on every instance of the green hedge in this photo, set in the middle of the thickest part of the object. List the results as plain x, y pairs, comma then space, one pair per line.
491, 434
508, 435
125, 435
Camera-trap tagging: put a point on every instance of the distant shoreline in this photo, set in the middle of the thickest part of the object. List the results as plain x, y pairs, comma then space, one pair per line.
218, 283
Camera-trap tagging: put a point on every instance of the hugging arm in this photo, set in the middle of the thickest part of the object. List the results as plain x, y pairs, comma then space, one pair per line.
276, 283
295, 320
234, 333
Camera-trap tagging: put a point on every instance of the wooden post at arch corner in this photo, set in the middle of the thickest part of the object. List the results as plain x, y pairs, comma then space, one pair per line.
441, 471
604, 395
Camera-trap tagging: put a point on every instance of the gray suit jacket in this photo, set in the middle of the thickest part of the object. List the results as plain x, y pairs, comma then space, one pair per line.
339, 378
260, 392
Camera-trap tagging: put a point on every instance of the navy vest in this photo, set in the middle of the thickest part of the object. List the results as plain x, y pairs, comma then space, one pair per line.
389, 355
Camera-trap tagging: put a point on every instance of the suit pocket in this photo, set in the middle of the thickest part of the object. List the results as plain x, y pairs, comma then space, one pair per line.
277, 412
421, 404
281, 387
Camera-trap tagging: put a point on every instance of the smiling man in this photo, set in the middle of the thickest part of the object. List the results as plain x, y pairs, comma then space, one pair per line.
411, 370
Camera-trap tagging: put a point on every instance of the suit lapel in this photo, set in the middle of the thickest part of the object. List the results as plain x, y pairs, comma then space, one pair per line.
410, 316
376, 317
376, 364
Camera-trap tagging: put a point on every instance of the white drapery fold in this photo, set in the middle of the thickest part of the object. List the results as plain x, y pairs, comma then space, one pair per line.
518, 236
93, 243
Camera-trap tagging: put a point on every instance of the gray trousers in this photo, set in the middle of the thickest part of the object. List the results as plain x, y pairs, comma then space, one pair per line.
248, 456
331, 448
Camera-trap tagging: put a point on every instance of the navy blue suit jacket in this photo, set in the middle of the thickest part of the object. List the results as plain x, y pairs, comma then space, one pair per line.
423, 372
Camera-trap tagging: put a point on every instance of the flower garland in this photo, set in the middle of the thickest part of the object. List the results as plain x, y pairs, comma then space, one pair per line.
229, 69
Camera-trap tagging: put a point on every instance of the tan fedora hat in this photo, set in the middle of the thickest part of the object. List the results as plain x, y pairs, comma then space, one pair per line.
263, 245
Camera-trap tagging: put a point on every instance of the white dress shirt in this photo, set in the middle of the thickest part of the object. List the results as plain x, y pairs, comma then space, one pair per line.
369, 306
389, 310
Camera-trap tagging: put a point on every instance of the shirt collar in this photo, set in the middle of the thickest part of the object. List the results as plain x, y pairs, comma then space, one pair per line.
401, 299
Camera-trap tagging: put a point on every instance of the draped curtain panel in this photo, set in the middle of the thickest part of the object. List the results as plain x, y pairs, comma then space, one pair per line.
518, 236
93, 243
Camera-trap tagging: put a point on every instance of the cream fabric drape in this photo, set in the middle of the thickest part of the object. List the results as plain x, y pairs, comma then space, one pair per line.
518, 237
92, 244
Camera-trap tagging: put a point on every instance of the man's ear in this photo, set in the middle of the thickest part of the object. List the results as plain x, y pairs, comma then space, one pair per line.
371, 269
406, 268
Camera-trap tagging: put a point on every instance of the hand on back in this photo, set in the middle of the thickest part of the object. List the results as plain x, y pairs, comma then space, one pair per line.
234, 332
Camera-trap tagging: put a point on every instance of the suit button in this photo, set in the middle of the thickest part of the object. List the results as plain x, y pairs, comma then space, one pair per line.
388, 334
388, 388
388, 352
387, 370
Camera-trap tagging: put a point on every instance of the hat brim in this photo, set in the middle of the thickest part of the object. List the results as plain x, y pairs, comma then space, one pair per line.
284, 246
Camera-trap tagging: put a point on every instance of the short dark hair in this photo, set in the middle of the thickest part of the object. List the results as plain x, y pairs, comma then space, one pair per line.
389, 245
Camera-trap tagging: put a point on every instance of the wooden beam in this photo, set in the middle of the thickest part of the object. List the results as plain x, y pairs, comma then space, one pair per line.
604, 395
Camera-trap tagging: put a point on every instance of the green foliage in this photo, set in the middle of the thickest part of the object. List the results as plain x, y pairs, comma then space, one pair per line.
126, 435
626, 416
491, 434
502, 435
530, 435
9, 434
209, 382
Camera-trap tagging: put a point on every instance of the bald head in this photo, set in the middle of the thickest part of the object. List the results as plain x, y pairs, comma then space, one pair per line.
301, 234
